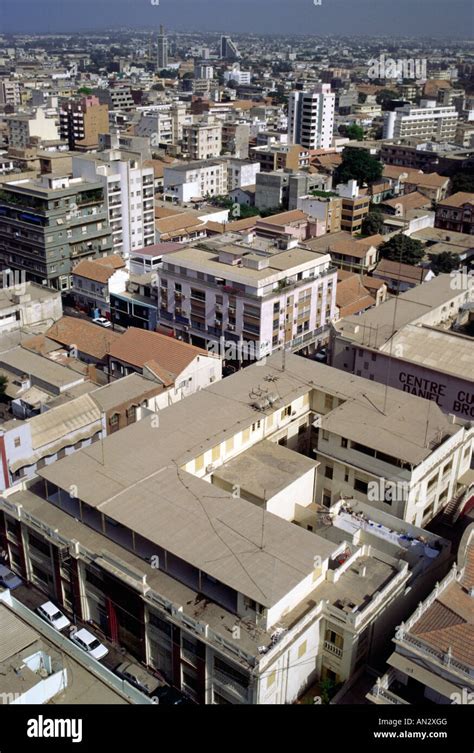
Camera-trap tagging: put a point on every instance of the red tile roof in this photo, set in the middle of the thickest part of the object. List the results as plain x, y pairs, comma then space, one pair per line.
138, 347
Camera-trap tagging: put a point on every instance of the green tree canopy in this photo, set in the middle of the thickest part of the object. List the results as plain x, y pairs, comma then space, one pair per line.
463, 182
402, 248
354, 131
373, 223
444, 262
359, 165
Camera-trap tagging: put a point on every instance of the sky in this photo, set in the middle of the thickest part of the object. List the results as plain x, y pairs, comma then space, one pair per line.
441, 18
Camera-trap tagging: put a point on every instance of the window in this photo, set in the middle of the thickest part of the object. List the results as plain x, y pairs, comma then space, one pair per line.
285, 412
17, 441
325, 435
328, 471
271, 679
343, 442
360, 486
245, 436
229, 445
346, 477
216, 453
199, 463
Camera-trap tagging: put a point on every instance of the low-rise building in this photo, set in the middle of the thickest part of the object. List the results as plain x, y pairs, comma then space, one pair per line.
25, 305
94, 281
31, 444
271, 622
414, 348
433, 660
165, 359
456, 213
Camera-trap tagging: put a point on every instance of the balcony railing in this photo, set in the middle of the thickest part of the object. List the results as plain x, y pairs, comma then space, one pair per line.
333, 649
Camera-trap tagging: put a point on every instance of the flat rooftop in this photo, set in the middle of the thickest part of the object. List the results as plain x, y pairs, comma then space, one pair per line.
205, 260
20, 641
191, 518
376, 326
265, 469
22, 361
438, 349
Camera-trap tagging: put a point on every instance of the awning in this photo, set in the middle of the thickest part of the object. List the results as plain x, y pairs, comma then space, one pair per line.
430, 679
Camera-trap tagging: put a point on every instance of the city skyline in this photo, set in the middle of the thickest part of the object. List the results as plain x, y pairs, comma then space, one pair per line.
302, 17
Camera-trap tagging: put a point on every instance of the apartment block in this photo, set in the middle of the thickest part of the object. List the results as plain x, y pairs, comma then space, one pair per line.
327, 209
202, 140
25, 129
120, 552
128, 193
311, 117
197, 179
241, 172
47, 225
81, 122
10, 92
429, 121
265, 295
355, 206
280, 156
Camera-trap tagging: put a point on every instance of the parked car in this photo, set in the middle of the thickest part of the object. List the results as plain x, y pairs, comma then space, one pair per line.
49, 612
139, 678
168, 696
321, 356
89, 643
8, 578
102, 321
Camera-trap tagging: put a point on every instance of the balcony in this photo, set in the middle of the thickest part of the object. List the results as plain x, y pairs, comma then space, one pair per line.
333, 649
230, 683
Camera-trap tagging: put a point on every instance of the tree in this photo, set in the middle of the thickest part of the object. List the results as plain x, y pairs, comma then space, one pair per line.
402, 248
354, 131
359, 165
385, 96
444, 262
463, 182
373, 223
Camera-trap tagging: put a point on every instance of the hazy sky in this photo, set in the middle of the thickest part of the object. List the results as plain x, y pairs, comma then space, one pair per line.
346, 17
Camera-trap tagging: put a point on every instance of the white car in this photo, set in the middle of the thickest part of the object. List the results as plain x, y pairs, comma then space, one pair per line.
89, 643
53, 616
102, 321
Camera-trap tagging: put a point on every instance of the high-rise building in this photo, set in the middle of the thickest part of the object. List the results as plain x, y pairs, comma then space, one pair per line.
129, 194
311, 117
48, 225
162, 54
80, 123
228, 49
429, 121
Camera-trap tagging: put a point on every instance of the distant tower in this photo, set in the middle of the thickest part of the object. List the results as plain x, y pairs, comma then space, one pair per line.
228, 49
162, 55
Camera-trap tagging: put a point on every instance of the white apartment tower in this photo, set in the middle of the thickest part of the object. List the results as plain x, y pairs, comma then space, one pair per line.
429, 121
129, 197
311, 117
